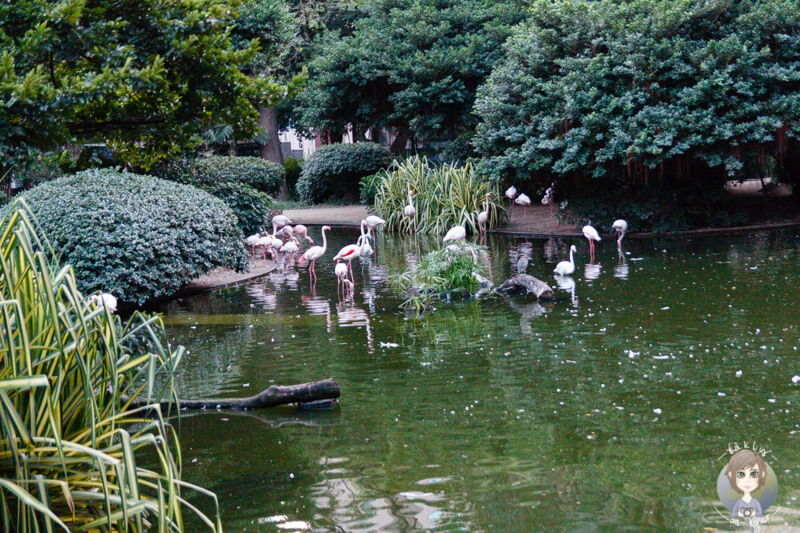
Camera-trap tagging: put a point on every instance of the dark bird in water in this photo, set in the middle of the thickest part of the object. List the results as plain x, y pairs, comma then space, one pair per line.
522, 264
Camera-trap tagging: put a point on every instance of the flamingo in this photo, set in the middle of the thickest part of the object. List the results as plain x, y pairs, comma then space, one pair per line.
109, 301
483, 216
548, 199
279, 221
348, 253
456, 233
373, 222
409, 210
266, 243
511, 192
565, 268
341, 276
591, 235
252, 241
290, 248
523, 200
302, 231
315, 252
363, 241
621, 227
287, 230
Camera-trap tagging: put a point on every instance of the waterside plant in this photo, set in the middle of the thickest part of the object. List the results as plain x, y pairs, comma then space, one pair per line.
444, 196
71, 440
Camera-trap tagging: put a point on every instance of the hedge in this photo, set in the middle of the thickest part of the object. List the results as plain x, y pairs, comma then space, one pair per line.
136, 236
266, 176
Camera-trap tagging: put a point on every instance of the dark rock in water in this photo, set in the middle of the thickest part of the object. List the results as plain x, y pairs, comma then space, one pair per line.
525, 284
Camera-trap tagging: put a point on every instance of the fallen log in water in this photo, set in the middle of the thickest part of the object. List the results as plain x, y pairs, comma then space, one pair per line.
315, 393
527, 284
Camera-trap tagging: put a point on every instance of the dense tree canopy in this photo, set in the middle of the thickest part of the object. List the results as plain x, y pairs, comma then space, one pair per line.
646, 90
145, 76
407, 65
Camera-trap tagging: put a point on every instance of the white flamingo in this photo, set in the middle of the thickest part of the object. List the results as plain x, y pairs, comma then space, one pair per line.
373, 222
290, 248
621, 227
523, 200
302, 231
341, 277
565, 268
456, 233
252, 241
265, 242
279, 221
363, 241
591, 235
483, 216
511, 192
315, 252
409, 210
109, 301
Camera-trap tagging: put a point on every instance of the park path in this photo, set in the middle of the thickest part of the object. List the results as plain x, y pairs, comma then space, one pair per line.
534, 220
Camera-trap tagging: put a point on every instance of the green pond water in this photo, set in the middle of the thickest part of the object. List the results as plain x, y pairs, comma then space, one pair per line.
611, 408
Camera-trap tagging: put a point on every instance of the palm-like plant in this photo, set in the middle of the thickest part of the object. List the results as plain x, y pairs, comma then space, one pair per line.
445, 196
69, 373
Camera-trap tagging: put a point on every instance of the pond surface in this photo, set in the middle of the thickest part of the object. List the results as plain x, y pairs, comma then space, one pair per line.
610, 408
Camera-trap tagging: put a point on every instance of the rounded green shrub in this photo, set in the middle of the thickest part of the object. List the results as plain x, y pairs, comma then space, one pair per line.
250, 206
292, 167
335, 170
266, 176
136, 236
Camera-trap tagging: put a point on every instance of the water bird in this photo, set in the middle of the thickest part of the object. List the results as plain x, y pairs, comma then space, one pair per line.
373, 222
621, 227
341, 277
109, 301
511, 192
279, 221
483, 216
290, 248
524, 201
591, 235
409, 210
522, 264
265, 243
456, 233
565, 268
315, 252
302, 231
348, 253
252, 241
363, 241
547, 199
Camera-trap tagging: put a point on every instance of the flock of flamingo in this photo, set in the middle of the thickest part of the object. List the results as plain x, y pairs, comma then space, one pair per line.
284, 239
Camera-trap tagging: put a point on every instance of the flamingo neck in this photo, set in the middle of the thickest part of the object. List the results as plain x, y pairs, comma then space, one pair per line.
571, 259
324, 241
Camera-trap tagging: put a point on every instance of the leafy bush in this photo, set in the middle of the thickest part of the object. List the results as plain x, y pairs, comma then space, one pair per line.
137, 236
648, 91
266, 176
292, 167
444, 196
70, 442
368, 187
335, 170
250, 206
452, 269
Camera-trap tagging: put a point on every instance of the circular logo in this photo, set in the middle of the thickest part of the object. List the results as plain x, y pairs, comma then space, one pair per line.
747, 485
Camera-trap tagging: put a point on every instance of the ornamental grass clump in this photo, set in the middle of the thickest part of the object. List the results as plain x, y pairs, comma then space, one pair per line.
71, 440
137, 236
444, 196
453, 270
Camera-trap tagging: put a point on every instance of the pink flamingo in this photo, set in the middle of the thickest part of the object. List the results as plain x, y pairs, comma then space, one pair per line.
315, 252
302, 231
483, 216
348, 253
591, 235
341, 277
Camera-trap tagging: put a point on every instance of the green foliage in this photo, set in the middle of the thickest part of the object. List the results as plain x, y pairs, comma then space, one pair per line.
368, 187
644, 92
250, 206
335, 170
137, 236
141, 76
292, 168
409, 66
444, 196
71, 442
441, 273
266, 176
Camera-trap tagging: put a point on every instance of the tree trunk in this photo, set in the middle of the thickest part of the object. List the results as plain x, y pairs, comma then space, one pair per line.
232, 146
399, 144
268, 120
314, 391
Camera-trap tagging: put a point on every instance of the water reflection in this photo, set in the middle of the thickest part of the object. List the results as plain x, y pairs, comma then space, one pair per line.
621, 269
567, 283
592, 271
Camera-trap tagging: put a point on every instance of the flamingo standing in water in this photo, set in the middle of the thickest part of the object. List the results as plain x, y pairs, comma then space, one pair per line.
315, 252
483, 216
252, 241
456, 233
621, 227
363, 241
279, 221
591, 235
290, 248
348, 253
341, 277
565, 268
409, 210
372, 223
302, 231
